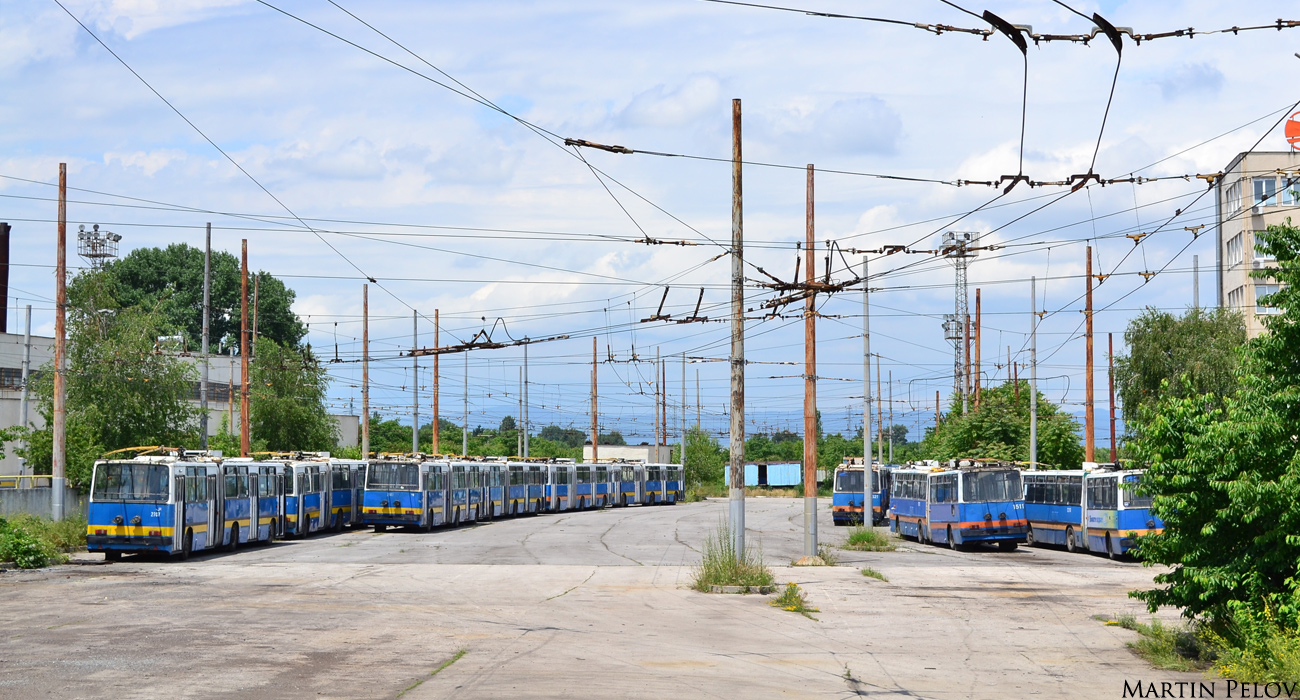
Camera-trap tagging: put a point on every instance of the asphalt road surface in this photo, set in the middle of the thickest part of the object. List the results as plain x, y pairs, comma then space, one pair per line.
593, 604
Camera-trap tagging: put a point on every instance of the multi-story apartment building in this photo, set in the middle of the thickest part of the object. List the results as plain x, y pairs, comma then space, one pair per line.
1257, 189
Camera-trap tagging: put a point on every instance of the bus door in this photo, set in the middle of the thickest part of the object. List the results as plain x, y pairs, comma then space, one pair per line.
216, 510
178, 511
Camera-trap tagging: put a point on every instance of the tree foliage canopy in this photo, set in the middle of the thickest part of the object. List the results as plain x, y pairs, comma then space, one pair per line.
170, 281
287, 390
1203, 346
999, 429
1224, 471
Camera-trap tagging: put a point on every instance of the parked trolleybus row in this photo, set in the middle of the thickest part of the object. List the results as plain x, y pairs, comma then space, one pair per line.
182, 502
966, 502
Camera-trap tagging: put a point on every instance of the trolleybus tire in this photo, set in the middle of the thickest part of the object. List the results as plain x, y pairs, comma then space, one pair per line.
270, 534
112, 555
234, 538
1008, 545
1070, 544
952, 543
380, 528
187, 545
1029, 537
1110, 549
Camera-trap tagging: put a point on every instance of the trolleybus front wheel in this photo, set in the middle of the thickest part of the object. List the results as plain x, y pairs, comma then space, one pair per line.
1008, 545
187, 545
234, 538
112, 555
380, 528
1110, 549
1070, 544
1029, 537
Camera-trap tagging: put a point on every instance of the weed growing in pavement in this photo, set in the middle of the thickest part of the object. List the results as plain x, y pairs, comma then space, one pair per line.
865, 539
872, 573
722, 565
792, 599
828, 555
1171, 648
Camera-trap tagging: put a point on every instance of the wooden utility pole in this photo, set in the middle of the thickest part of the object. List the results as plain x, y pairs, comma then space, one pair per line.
978, 378
967, 344
1015, 373
245, 440
435, 384
736, 439
937, 416
256, 285
365, 371
595, 431
230, 392
1089, 429
1110, 359
810, 384
59, 428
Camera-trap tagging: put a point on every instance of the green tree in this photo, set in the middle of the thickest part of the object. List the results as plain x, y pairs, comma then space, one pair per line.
170, 281
1203, 345
287, 390
569, 437
705, 459
1000, 430
1224, 472
613, 437
122, 391
507, 425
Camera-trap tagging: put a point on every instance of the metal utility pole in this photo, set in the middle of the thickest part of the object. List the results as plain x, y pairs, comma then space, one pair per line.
658, 386
663, 398
1110, 359
59, 428
436, 416
415, 382
1033, 369
365, 371
27, 371
736, 492
207, 306
682, 455
525, 411
810, 385
978, 377
880, 417
519, 434
595, 430
891, 416
464, 434
244, 438
1089, 428
697, 399
1196, 287
955, 246
866, 396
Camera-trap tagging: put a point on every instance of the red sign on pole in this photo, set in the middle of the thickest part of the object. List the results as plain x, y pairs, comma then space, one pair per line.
1293, 131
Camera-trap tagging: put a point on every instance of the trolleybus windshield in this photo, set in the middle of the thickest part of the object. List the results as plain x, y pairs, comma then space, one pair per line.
981, 487
1131, 498
849, 482
393, 477
136, 483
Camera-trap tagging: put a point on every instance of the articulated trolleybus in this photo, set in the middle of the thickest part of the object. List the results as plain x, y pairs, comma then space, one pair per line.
1096, 508
847, 498
967, 502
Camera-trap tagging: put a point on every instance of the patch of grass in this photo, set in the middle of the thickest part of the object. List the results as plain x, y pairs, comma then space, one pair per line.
828, 555
867, 539
872, 573
33, 542
792, 599
456, 657
722, 565
699, 492
1171, 648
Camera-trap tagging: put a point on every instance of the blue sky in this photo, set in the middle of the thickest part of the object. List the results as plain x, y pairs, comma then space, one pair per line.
337, 134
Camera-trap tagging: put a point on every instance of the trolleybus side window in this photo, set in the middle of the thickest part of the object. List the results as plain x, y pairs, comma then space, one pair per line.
1131, 497
943, 489
141, 483
232, 484
1101, 493
340, 479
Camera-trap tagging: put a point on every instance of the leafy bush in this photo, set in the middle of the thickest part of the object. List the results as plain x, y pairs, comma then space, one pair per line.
1172, 648
864, 539
1258, 648
31, 542
721, 565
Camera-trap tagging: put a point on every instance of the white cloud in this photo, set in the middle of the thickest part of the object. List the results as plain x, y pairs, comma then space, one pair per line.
664, 107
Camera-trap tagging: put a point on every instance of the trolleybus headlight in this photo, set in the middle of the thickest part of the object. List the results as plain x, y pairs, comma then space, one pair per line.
988, 516
117, 520
135, 520
1151, 524
383, 503
1002, 516
397, 504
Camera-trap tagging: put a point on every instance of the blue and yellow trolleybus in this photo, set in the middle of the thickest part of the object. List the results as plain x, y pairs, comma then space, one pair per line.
171, 503
966, 502
394, 491
525, 482
560, 487
674, 484
629, 482
847, 492
1097, 508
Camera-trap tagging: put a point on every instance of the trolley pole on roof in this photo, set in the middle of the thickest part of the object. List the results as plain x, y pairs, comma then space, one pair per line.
365, 371
736, 440
810, 384
415, 382
207, 303
866, 397
59, 427
244, 441
1033, 369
